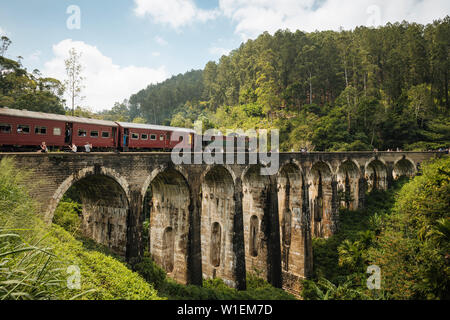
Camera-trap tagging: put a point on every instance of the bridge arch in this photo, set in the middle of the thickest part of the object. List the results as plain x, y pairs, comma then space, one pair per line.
404, 167
104, 195
158, 170
168, 199
294, 224
321, 198
256, 219
376, 174
348, 179
217, 214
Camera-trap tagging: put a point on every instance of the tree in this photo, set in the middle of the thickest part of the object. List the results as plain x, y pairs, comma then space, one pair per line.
74, 82
6, 42
421, 102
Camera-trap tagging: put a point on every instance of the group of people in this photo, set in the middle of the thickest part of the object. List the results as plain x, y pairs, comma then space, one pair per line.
87, 147
73, 148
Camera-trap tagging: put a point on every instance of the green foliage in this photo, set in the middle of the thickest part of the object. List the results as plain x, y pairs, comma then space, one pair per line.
405, 231
27, 272
213, 289
67, 215
157, 103
328, 91
30, 91
324, 289
34, 257
412, 249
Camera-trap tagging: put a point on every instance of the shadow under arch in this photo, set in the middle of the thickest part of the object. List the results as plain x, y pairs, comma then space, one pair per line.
105, 206
404, 167
376, 174
218, 213
348, 179
167, 203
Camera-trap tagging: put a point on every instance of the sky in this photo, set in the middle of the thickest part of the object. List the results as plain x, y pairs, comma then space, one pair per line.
128, 44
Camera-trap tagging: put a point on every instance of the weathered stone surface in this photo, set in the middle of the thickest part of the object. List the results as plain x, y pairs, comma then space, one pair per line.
215, 221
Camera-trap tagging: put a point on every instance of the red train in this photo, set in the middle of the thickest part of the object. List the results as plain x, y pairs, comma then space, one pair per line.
22, 130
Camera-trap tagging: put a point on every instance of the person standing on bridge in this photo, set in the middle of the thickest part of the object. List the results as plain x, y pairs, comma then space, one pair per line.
88, 147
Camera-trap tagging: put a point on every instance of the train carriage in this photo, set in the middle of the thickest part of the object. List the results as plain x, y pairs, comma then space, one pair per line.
25, 130
103, 135
136, 136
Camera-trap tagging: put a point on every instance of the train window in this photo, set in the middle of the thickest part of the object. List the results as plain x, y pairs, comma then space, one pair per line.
94, 134
153, 137
144, 136
135, 136
105, 134
21, 128
161, 137
56, 131
82, 133
40, 130
5, 128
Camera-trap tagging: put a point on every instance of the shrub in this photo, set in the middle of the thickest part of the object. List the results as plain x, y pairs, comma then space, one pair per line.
67, 215
34, 257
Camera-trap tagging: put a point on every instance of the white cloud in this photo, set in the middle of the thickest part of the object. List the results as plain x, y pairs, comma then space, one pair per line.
35, 56
161, 41
105, 82
175, 13
217, 51
256, 16
156, 54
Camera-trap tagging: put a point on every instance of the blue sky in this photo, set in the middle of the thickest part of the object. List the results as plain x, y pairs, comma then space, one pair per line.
129, 44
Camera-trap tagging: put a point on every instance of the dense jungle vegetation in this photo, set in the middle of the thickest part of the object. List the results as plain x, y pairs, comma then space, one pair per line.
404, 231
349, 90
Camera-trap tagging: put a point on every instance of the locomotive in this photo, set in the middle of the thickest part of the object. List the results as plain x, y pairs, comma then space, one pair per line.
22, 130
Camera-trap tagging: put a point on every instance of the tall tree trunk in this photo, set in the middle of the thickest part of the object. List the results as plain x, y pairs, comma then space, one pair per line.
310, 88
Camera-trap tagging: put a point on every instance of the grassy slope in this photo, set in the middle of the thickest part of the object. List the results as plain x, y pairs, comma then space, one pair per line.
40, 272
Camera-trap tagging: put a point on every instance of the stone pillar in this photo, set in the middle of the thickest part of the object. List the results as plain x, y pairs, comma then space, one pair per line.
273, 233
194, 247
334, 206
362, 191
307, 231
134, 231
238, 238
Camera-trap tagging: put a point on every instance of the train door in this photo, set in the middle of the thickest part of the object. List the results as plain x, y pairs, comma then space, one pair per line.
168, 143
126, 134
114, 136
68, 133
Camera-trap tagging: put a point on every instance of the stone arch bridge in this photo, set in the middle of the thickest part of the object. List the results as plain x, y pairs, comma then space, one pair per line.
215, 220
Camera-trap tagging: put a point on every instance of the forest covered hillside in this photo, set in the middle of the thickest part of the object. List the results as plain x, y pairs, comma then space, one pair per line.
368, 88
350, 90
